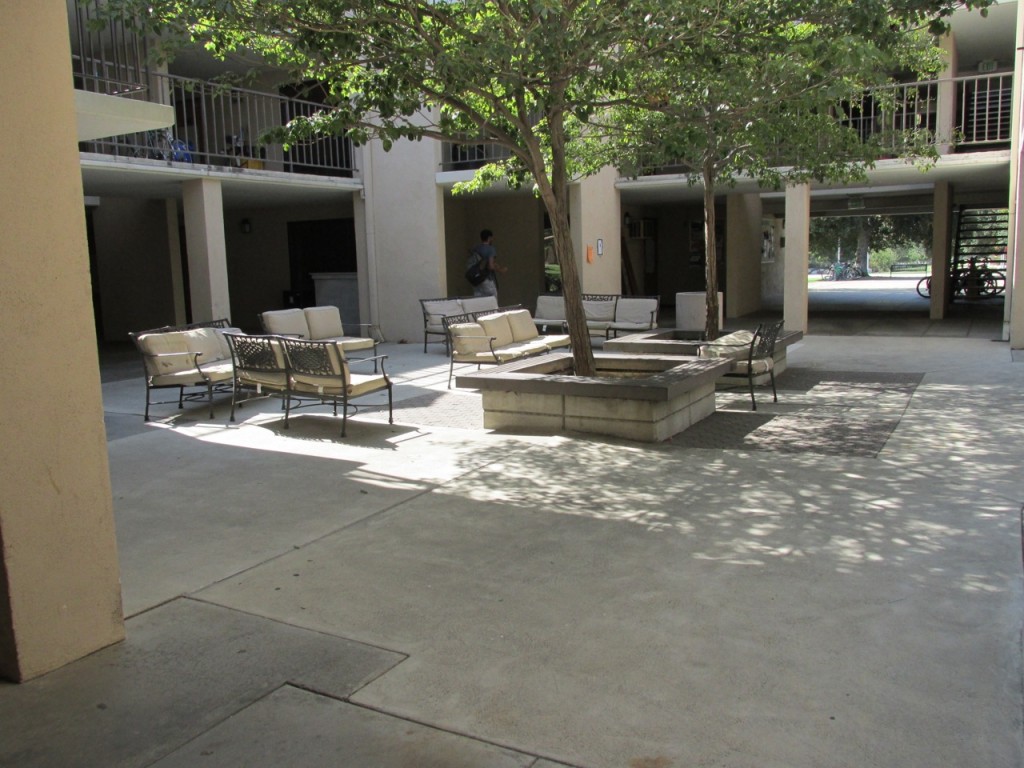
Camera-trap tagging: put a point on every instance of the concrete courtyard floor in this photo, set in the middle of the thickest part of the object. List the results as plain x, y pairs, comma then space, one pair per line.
832, 581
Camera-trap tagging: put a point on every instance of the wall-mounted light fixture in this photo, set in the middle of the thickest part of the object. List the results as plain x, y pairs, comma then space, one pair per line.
245, 226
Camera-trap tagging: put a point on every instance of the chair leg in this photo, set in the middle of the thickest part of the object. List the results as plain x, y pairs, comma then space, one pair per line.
209, 392
181, 398
344, 414
775, 395
750, 381
146, 417
234, 392
451, 369
391, 417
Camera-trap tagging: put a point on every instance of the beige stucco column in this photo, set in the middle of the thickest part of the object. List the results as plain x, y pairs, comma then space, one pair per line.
207, 251
945, 108
796, 255
60, 595
400, 223
1013, 317
595, 222
942, 231
743, 253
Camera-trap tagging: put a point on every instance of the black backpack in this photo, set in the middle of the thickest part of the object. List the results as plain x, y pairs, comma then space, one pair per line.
477, 272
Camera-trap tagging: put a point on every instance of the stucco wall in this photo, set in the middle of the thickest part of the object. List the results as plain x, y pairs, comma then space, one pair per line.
60, 595
743, 254
258, 261
133, 264
595, 216
517, 221
403, 211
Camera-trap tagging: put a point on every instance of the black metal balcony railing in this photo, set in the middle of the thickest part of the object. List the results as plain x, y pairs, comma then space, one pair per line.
216, 125
981, 116
982, 113
984, 109
105, 58
463, 157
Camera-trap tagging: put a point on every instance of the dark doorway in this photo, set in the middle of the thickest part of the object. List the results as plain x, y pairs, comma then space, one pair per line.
324, 245
94, 275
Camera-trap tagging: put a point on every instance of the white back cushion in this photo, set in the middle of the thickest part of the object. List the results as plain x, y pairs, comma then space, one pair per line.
550, 308
635, 310
286, 322
468, 338
479, 303
498, 327
324, 322
521, 324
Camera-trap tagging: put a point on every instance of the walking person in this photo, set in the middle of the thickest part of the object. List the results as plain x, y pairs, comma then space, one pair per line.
485, 252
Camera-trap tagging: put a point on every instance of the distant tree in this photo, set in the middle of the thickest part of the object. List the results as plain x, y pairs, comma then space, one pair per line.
852, 237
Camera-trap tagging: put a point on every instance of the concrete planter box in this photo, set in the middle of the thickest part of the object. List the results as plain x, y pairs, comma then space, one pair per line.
678, 342
648, 398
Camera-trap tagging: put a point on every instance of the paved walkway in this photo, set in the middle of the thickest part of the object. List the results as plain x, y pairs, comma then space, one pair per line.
834, 581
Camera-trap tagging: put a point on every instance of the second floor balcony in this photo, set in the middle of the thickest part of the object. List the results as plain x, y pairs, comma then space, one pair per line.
959, 115
216, 125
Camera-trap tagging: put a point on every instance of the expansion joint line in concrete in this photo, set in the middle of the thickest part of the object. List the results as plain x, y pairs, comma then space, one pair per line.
303, 545
462, 734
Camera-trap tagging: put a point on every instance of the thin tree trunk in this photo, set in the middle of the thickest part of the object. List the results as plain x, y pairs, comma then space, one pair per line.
710, 254
556, 200
863, 243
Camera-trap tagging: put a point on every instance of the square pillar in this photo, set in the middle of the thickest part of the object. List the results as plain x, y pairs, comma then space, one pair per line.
796, 256
60, 591
207, 250
942, 235
743, 253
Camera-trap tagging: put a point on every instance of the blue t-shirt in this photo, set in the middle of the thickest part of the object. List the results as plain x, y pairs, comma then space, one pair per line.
486, 251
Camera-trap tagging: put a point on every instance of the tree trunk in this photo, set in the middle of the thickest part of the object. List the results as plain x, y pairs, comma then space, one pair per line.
556, 200
863, 243
711, 328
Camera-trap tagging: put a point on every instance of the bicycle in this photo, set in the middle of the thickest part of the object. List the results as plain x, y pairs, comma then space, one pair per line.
161, 145
843, 270
969, 282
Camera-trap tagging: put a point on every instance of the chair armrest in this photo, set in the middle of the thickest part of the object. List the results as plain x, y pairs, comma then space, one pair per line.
490, 343
371, 327
370, 359
723, 344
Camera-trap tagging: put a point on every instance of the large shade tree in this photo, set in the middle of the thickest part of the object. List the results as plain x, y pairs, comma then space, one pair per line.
550, 80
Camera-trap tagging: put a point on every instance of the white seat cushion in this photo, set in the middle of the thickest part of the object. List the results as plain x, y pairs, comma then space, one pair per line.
734, 345
555, 341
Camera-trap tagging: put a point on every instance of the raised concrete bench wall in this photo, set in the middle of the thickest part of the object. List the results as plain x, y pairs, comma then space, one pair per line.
538, 395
